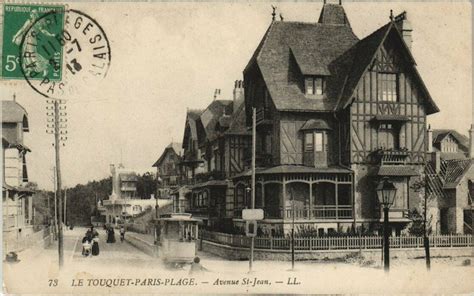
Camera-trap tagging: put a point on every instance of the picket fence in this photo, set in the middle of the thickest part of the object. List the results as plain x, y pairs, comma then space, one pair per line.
336, 243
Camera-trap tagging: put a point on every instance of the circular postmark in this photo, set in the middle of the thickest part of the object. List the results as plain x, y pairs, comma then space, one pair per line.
64, 53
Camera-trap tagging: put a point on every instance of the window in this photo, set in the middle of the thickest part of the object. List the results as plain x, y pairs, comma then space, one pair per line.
388, 136
318, 142
314, 85
308, 146
388, 87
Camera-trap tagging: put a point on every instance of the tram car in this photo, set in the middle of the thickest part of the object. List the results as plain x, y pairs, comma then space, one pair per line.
178, 237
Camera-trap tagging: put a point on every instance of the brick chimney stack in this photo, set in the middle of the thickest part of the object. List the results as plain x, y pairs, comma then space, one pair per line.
404, 26
238, 94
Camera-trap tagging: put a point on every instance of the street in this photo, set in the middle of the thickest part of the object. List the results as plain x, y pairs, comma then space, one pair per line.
121, 268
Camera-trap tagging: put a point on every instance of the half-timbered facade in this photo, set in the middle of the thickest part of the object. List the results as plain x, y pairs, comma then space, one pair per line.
216, 144
335, 114
168, 169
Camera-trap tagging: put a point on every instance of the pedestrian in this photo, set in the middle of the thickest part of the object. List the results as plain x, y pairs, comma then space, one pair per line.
110, 235
95, 246
86, 246
122, 233
196, 266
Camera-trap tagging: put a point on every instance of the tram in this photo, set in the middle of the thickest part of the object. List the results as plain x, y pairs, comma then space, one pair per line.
177, 236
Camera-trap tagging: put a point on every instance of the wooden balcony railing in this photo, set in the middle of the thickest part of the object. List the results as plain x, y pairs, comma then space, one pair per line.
391, 157
263, 115
320, 212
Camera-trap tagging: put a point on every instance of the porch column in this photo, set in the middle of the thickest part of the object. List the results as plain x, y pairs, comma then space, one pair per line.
310, 200
263, 194
284, 197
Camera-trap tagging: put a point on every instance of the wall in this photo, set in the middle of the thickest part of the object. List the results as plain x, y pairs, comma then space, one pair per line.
234, 253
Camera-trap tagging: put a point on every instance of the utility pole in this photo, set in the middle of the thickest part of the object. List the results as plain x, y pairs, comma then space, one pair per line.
292, 230
57, 127
254, 142
65, 207
55, 205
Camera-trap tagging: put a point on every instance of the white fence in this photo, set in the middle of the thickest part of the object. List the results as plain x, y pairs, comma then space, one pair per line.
336, 243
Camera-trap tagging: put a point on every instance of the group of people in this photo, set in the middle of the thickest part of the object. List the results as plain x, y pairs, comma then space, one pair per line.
90, 241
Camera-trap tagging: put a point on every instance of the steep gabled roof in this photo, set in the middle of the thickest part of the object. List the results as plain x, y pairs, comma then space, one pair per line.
363, 55
192, 118
440, 134
210, 117
455, 171
174, 147
310, 47
237, 125
12, 112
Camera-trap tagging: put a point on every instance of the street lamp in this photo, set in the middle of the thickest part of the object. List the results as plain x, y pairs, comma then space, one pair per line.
386, 193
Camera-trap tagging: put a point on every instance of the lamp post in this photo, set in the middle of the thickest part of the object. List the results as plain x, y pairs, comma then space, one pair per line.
386, 193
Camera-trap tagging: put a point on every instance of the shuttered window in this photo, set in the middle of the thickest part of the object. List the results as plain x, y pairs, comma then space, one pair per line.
308, 146
318, 142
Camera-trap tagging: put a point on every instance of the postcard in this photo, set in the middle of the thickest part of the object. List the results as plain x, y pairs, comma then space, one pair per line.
234, 147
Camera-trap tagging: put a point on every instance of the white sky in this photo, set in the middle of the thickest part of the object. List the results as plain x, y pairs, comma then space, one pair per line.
170, 56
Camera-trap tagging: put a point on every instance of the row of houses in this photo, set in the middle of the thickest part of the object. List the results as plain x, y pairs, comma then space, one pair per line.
335, 114
17, 197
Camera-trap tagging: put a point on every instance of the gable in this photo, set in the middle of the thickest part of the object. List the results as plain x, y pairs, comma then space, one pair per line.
385, 51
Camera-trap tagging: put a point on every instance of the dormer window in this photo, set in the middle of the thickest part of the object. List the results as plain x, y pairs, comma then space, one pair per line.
314, 85
388, 87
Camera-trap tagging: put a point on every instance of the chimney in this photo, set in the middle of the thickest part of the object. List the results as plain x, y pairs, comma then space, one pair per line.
404, 26
430, 139
471, 141
238, 94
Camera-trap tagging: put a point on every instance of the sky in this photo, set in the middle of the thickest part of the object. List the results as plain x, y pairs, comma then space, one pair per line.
167, 57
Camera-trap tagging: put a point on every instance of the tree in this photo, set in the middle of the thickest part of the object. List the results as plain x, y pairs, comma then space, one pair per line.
146, 185
420, 187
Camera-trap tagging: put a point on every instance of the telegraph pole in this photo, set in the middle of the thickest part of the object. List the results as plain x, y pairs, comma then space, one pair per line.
57, 127
65, 202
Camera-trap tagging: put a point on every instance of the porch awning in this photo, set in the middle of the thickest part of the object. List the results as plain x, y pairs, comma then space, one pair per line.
212, 183
397, 170
390, 117
295, 169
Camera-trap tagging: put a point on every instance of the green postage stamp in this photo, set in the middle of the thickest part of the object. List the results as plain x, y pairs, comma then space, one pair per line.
46, 59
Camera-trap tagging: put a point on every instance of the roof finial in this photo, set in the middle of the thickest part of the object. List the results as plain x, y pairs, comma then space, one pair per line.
340, 2
14, 97
324, 1
281, 17
391, 15
273, 13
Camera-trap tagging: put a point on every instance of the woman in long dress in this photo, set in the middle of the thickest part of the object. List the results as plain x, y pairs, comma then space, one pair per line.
95, 246
110, 235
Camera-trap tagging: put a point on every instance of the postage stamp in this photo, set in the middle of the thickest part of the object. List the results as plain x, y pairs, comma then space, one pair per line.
86, 53
18, 20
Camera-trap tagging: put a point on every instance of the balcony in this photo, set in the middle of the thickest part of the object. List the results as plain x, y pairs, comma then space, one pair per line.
261, 159
391, 156
328, 212
212, 175
264, 116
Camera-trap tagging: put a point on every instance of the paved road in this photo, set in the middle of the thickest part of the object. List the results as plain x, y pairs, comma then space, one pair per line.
123, 261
